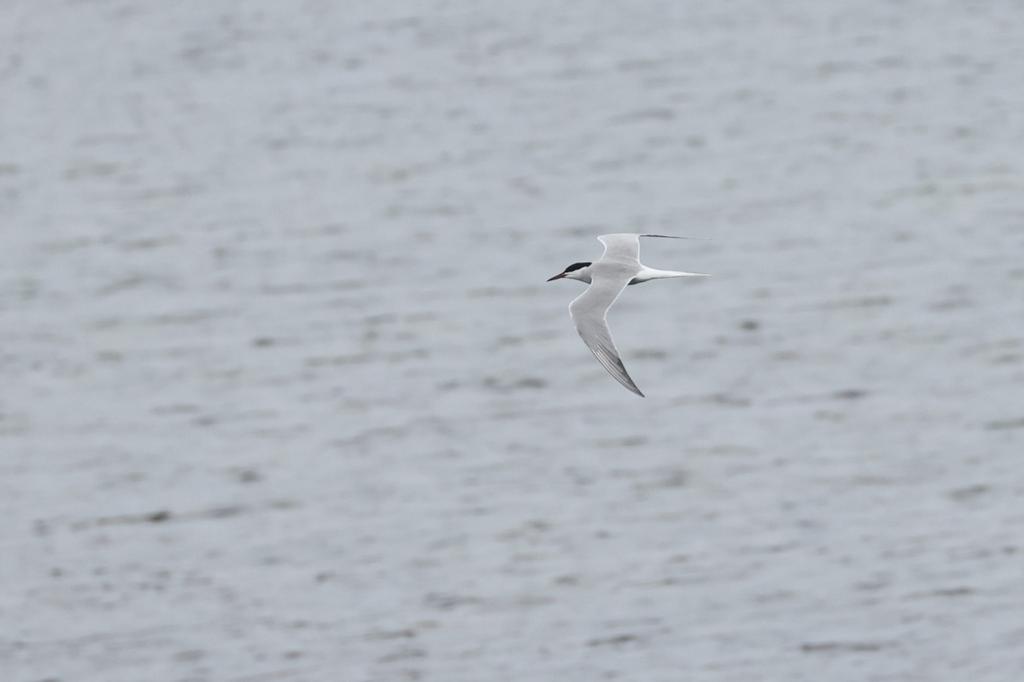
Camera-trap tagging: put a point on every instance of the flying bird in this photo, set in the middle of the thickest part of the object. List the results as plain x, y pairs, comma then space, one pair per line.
618, 267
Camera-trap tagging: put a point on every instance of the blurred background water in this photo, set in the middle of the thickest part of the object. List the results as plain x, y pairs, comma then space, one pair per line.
286, 397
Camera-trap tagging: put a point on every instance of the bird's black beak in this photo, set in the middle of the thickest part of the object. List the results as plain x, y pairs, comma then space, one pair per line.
558, 276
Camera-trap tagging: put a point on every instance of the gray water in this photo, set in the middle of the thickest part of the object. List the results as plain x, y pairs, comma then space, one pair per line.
286, 397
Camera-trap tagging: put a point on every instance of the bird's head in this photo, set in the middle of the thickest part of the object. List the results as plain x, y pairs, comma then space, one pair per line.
578, 271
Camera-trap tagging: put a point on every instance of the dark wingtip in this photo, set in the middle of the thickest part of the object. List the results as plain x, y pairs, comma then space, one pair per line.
672, 236
632, 386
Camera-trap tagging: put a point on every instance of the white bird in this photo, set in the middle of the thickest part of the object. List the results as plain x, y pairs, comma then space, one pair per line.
618, 267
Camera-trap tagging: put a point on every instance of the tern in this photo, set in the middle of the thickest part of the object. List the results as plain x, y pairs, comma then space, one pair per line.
618, 267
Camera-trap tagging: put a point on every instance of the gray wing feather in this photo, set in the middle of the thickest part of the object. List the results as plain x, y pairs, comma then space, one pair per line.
625, 246
589, 312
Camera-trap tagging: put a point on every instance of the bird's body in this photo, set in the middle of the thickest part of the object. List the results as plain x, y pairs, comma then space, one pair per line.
618, 267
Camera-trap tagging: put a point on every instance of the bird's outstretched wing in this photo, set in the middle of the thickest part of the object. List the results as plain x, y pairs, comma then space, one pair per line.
624, 247
589, 312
